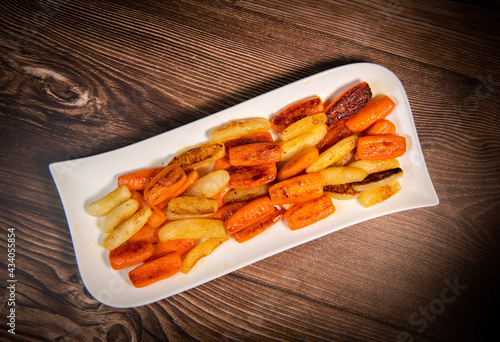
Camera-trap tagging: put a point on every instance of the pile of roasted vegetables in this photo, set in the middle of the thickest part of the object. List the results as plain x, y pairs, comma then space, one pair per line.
292, 167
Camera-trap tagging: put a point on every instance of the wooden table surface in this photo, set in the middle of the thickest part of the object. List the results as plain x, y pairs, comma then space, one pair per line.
79, 78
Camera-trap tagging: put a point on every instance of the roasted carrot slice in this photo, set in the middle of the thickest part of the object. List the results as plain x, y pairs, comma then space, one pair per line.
164, 184
137, 180
333, 136
348, 103
373, 111
130, 254
307, 213
382, 126
298, 163
252, 138
243, 177
220, 196
191, 177
378, 147
295, 112
297, 189
227, 211
258, 227
157, 217
147, 234
156, 270
221, 164
248, 214
162, 248
254, 154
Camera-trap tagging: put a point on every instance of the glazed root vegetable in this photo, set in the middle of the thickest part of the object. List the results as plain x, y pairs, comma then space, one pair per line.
333, 136
227, 211
258, 227
127, 229
156, 270
130, 254
298, 163
347, 104
382, 126
199, 155
245, 195
219, 197
333, 154
180, 246
105, 205
297, 189
248, 214
302, 126
209, 185
379, 147
202, 250
254, 154
294, 146
295, 112
157, 217
307, 213
244, 177
192, 229
137, 180
337, 175
252, 138
185, 207
373, 111
378, 179
146, 233
379, 194
373, 166
119, 215
191, 177
164, 184
239, 128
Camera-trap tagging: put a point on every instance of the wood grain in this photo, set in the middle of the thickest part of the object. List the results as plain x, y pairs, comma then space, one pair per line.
80, 78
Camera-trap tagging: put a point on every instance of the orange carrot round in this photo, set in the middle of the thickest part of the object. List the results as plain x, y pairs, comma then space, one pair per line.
298, 163
156, 270
378, 147
130, 254
137, 180
382, 126
371, 112
307, 213
297, 189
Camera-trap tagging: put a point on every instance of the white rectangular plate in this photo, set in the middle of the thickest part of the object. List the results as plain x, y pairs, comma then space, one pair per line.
84, 180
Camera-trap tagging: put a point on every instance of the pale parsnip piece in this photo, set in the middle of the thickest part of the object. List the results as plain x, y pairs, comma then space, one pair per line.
128, 228
209, 185
333, 154
341, 175
378, 195
105, 205
119, 215
248, 194
202, 250
238, 128
342, 192
181, 208
346, 159
374, 166
378, 179
304, 125
294, 146
192, 229
199, 155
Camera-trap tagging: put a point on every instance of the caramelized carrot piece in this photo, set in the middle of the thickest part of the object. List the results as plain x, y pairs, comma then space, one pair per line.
243, 177
130, 254
258, 227
137, 180
295, 112
378, 147
297, 189
373, 111
147, 234
248, 214
191, 177
298, 163
156, 270
221, 164
227, 211
164, 184
252, 138
157, 217
333, 136
255, 154
162, 248
382, 126
348, 103
220, 196
307, 213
